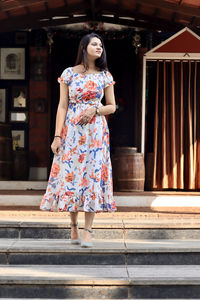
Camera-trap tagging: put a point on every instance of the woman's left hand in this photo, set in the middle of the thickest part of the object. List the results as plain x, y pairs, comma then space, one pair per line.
87, 116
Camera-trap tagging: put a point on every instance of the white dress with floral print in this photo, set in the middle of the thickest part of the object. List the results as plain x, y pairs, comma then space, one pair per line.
81, 175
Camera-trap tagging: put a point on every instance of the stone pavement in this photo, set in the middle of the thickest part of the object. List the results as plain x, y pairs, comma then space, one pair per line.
136, 255
100, 275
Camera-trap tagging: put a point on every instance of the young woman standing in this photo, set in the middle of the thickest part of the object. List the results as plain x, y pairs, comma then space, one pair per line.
81, 172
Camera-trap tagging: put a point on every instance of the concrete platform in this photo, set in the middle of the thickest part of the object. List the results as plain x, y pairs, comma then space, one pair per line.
100, 275
105, 252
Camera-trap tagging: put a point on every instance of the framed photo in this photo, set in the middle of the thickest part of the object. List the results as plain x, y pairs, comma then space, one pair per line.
19, 116
12, 63
18, 139
3, 105
19, 97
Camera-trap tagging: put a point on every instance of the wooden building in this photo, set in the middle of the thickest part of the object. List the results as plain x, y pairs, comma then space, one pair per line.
43, 37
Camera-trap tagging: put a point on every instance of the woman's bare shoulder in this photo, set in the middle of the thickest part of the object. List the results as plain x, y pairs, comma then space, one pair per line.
77, 68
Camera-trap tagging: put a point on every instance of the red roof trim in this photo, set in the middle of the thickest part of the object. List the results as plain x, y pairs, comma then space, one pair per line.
186, 42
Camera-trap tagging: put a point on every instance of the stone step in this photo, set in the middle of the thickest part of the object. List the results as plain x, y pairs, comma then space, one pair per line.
103, 229
27, 196
11, 185
100, 282
104, 252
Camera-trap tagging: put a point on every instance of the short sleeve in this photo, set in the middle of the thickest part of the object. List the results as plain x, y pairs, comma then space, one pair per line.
108, 80
66, 76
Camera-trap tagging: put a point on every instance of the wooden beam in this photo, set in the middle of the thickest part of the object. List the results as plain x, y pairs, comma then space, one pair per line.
36, 24
107, 9
183, 9
9, 5
33, 20
142, 24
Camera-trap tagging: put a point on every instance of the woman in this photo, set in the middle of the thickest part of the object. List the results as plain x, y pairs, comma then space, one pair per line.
81, 173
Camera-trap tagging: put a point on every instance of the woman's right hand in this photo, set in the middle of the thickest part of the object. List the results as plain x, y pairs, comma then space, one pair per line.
56, 145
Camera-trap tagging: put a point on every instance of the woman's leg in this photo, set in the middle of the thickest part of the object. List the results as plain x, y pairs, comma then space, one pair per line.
74, 229
89, 217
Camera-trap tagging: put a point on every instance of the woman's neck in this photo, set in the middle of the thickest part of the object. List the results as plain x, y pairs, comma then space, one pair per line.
91, 66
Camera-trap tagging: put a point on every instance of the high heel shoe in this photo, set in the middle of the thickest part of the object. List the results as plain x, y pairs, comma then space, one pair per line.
87, 244
75, 241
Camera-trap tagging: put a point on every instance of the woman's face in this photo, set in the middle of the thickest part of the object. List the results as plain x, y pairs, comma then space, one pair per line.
95, 48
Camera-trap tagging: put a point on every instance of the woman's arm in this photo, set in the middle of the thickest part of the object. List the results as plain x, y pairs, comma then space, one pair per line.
62, 108
110, 106
60, 117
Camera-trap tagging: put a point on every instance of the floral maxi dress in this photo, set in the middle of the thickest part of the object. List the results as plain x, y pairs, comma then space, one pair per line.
81, 175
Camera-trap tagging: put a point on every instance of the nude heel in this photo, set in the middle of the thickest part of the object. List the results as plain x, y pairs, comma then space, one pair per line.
87, 244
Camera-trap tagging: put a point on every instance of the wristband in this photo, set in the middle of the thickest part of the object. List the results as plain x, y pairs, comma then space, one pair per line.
97, 110
57, 136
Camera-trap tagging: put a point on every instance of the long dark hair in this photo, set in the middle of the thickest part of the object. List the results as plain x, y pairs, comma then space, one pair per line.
82, 57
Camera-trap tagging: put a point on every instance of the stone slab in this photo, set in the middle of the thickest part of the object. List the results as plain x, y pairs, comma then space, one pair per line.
66, 258
23, 185
125, 200
163, 258
62, 245
9, 233
63, 274
161, 291
168, 233
64, 291
3, 258
164, 275
44, 233
162, 245
100, 246
6, 244
125, 221
100, 275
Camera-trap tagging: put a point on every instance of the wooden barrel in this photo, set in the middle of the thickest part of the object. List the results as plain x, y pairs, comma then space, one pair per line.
129, 168
6, 152
114, 172
20, 164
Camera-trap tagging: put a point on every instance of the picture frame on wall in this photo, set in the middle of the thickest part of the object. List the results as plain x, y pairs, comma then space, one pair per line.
19, 97
12, 63
18, 139
18, 116
3, 105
